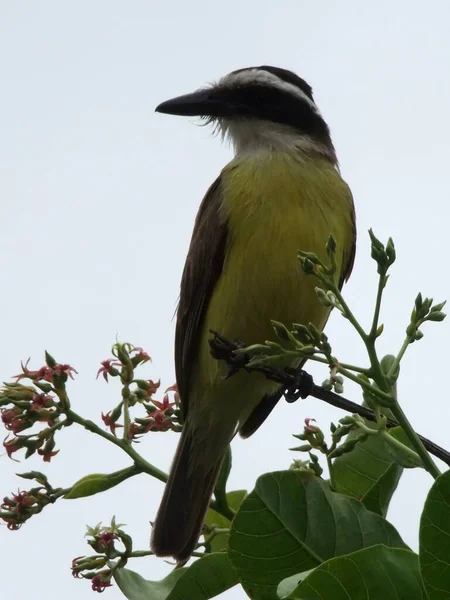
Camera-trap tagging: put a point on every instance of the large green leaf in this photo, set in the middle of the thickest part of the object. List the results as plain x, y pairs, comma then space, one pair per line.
205, 578
369, 474
434, 538
99, 482
374, 573
135, 587
213, 518
292, 522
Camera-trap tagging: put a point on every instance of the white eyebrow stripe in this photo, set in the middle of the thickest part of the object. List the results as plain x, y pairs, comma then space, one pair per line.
265, 78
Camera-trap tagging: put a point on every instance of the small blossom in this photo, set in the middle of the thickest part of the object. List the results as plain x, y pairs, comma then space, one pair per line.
159, 422
23, 498
86, 563
64, 370
101, 581
309, 427
142, 355
107, 420
41, 401
45, 373
106, 540
47, 453
12, 525
164, 405
76, 567
314, 435
108, 368
152, 387
174, 388
10, 417
12, 446
17, 508
20, 424
135, 431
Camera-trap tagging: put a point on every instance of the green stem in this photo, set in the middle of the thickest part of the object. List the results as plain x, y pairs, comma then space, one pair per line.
325, 361
347, 311
377, 413
139, 461
391, 440
402, 420
387, 398
48, 430
126, 413
375, 367
395, 365
331, 471
376, 314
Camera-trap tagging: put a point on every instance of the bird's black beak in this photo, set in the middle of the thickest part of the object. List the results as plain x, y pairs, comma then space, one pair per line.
203, 103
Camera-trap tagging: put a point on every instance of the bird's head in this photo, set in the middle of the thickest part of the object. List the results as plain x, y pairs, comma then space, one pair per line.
259, 107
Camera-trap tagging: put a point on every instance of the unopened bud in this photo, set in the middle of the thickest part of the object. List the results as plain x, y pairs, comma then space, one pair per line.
438, 307
307, 265
436, 316
390, 252
303, 448
322, 297
331, 245
338, 387
327, 385
282, 331
49, 360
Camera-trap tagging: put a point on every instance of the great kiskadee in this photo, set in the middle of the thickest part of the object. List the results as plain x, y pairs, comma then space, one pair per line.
281, 192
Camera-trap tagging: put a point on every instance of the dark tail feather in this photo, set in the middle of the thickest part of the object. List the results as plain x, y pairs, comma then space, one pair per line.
185, 501
260, 413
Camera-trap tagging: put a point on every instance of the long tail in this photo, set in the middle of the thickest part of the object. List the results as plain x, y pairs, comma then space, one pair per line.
185, 501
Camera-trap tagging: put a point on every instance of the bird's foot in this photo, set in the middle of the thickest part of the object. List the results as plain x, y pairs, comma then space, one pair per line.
301, 385
223, 349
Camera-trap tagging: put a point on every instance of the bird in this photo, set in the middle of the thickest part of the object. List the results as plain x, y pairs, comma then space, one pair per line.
281, 192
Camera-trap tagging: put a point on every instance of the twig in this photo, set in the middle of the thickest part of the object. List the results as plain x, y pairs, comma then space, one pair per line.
299, 384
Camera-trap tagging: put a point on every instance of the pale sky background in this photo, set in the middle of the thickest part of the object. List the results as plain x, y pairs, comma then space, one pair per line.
99, 194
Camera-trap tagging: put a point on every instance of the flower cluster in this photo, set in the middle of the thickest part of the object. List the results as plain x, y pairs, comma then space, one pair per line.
20, 507
22, 407
102, 539
313, 435
160, 415
47, 372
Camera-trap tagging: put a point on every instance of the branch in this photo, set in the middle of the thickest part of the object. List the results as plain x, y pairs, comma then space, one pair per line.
300, 384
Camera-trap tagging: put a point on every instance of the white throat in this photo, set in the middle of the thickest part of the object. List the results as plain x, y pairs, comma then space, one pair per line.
253, 135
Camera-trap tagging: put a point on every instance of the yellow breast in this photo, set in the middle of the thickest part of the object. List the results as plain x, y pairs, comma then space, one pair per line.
275, 204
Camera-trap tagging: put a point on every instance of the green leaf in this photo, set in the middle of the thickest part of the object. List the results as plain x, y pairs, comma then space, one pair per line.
135, 587
371, 574
213, 518
292, 522
368, 473
99, 482
206, 578
434, 536
288, 585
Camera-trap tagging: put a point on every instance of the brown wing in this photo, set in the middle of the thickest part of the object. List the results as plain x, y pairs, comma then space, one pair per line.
349, 256
202, 269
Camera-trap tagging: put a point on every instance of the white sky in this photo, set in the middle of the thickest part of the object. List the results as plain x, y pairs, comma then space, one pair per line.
99, 193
